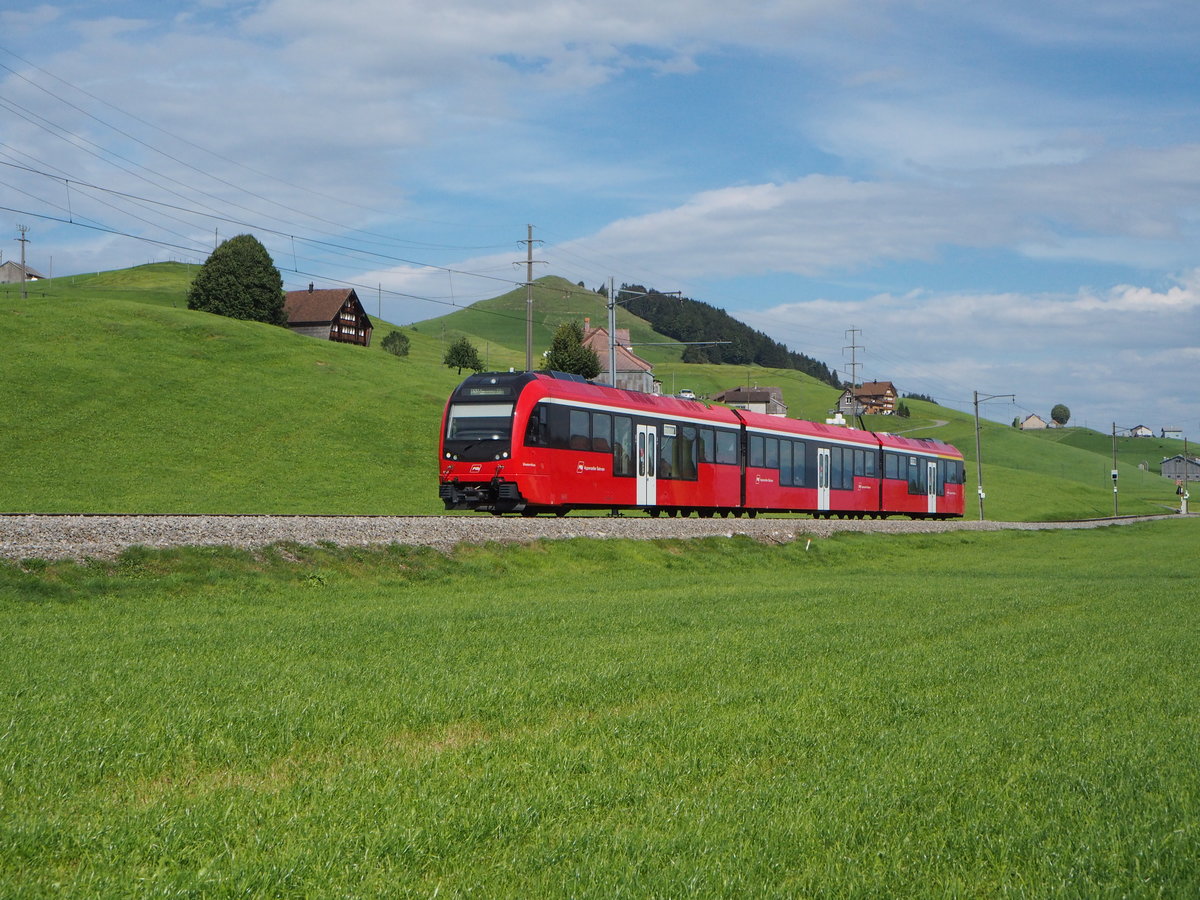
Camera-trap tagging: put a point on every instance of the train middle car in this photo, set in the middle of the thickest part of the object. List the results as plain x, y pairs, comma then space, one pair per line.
542, 442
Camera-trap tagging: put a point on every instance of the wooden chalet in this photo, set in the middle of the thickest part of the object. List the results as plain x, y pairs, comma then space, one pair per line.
872, 398
333, 314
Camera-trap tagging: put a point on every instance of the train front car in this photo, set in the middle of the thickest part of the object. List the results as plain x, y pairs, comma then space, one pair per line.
481, 433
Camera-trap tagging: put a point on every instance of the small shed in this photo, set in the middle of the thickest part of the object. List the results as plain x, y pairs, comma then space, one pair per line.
13, 273
333, 314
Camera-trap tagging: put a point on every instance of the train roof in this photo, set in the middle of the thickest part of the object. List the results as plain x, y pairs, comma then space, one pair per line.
573, 388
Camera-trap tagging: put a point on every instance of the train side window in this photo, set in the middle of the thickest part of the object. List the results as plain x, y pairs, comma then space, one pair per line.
708, 447
727, 448
601, 432
581, 430
641, 453
835, 467
848, 462
860, 463
799, 449
891, 466
622, 445
757, 450
687, 453
537, 429
785, 463
558, 430
666, 453
771, 458
916, 475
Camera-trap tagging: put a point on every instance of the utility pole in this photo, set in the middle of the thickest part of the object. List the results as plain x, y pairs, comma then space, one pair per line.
978, 454
24, 229
1183, 496
529, 242
1114, 469
853, 348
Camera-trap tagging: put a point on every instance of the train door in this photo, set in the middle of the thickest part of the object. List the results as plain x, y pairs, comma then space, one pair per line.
647, 457
931, 483
823, 467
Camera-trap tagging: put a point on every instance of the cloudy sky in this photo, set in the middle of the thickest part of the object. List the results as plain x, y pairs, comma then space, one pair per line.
995, 197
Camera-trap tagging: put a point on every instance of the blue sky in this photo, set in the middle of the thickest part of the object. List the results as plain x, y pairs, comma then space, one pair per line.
1002, 198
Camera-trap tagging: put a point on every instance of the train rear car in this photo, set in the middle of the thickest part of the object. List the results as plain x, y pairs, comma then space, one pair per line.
922, 477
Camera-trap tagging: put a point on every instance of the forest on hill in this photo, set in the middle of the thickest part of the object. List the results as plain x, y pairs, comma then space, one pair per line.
693, 321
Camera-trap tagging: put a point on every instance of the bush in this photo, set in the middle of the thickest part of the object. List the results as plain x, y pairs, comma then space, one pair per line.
396, 343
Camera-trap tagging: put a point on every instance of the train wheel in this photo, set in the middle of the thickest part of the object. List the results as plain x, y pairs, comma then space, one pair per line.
655, 513
705, 513
752, 513
529, 513
561, 511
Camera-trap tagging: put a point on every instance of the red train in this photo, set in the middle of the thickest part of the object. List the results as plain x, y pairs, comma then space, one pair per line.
538, 442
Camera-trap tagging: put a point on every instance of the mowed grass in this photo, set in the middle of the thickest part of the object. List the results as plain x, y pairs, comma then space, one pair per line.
951, 715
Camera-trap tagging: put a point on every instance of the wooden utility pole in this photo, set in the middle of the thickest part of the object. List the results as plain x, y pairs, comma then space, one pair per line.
529, 261
24, 229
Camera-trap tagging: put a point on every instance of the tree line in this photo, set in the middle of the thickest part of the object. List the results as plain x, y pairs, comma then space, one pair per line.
693, 322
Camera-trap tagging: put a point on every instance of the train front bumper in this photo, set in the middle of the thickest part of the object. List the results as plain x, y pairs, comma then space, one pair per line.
482, 496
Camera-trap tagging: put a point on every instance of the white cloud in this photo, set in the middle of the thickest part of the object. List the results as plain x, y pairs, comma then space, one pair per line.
1104, 353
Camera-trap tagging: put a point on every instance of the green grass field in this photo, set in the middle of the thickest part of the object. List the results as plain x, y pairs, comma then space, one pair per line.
119, 399
982, 715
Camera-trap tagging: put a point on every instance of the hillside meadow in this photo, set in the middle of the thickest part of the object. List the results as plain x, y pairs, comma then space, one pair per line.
121, 400
984, 714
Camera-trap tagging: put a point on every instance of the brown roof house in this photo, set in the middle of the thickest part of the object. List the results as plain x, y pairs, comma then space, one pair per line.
767, 400
872, 398
633, 372
332, 315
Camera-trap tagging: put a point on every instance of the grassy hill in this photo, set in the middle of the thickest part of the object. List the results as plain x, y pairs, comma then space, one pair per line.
119, 399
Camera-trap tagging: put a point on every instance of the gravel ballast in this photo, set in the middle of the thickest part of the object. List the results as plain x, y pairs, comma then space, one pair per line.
106, 536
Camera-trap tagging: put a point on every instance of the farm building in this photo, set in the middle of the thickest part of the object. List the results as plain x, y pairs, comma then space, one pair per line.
1181, 468
1141, 431
767, 400
332, 315
11, 272
1033, 422
633, 372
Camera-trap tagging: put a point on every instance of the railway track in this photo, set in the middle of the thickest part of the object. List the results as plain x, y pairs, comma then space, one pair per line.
83, 537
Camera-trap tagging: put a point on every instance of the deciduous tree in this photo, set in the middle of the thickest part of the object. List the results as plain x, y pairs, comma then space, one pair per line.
463, 355
239, 280
1060, 414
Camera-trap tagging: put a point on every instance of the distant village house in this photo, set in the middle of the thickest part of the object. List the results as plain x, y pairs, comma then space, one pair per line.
1033, 422
872, 398
767, 400
1173, 433
330, 314
633, 372
1141, 431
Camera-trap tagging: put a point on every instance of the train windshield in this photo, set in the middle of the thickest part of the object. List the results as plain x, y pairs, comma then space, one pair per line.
472, 423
